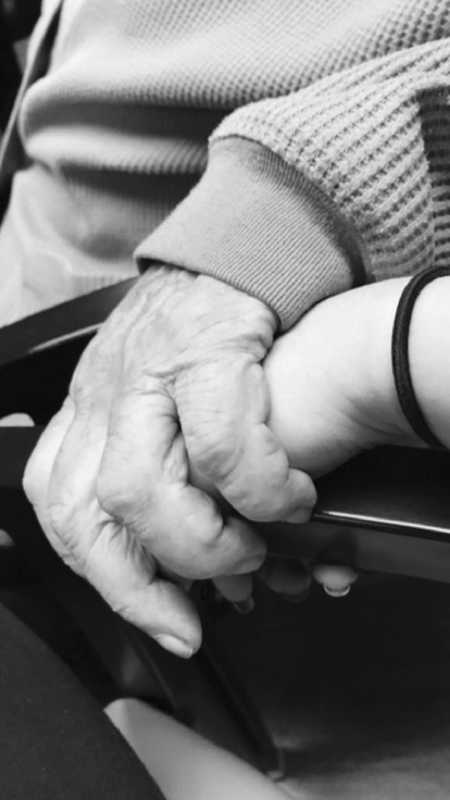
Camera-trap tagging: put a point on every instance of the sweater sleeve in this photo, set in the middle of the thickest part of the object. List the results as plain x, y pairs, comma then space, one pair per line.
306, 195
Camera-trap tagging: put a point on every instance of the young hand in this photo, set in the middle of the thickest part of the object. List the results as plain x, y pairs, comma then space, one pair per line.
330, 380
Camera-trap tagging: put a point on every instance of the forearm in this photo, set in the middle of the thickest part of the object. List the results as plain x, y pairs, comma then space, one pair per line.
331, 382
325, 188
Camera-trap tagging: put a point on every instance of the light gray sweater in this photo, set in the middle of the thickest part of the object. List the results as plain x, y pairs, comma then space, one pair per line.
329, 143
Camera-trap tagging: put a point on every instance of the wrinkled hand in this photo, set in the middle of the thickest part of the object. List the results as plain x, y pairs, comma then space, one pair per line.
172, 387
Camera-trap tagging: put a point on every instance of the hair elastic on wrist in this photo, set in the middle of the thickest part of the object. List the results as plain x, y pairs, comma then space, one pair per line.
400, 353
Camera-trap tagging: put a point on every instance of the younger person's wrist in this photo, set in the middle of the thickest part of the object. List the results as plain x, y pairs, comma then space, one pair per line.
381, 404
429, 356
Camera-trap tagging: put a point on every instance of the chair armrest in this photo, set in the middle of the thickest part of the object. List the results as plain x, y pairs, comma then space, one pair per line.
387, 510
38, 354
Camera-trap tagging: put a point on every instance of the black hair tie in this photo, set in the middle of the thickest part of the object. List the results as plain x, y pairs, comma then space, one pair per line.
400, 353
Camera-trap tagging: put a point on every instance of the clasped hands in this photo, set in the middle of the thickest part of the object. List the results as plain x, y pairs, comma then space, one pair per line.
184, 397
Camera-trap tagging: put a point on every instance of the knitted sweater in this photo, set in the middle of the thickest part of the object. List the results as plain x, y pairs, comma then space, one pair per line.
328, 125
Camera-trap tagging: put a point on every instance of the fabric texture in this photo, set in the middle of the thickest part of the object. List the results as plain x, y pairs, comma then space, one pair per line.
263, 227
330, 118
55, 742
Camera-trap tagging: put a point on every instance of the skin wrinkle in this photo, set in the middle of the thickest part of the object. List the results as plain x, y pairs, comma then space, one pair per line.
127, 501
212, 531
134, 402
214, 428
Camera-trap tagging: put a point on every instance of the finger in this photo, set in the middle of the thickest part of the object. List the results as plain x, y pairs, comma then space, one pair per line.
40, 464
39, 468
117, 566
223, 420
106, 553
286, 577
336, 581
144, 480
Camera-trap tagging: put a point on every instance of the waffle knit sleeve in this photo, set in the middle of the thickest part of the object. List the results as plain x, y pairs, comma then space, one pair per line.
305, 195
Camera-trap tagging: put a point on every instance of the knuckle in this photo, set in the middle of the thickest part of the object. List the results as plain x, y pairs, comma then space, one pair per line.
118, 495
203, 524
71, 560
122, 604
277, 468
263, 497
39, 466
61, 515
107, 494
202, 553
213, 450
58, 533
208, 534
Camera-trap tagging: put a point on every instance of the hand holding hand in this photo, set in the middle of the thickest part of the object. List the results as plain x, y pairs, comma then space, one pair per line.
172, 383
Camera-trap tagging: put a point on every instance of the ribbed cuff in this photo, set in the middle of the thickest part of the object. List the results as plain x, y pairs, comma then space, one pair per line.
256, 223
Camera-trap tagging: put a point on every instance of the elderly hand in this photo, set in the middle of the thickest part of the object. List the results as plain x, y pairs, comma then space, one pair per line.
171, 387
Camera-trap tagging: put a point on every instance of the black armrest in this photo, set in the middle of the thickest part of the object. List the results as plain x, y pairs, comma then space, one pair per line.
9, 70
38, 354
388, 510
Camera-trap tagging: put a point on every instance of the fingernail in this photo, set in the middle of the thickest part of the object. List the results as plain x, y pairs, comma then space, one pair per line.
174, 645
335, 580
333, 592
244, 606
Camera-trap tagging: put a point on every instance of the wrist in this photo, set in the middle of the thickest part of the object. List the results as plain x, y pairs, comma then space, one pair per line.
381, 404
429, 346
249, 212
206, 309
